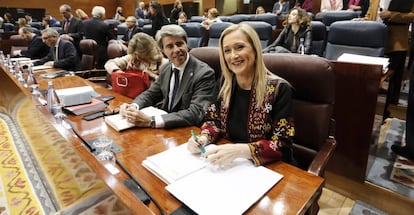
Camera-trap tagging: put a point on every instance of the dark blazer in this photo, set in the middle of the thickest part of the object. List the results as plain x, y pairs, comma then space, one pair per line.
97, 30
286, 37
36, 48
67, 57
196, 91
75, 29
134, 31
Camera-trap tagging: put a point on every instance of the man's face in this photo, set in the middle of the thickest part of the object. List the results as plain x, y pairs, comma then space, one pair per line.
64, 13
27, 36
49, 40
130, 23
176, 49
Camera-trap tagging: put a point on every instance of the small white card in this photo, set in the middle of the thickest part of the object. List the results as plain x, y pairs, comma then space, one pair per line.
111, 168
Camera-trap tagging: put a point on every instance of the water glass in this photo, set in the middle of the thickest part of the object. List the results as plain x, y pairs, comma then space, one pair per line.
102, 146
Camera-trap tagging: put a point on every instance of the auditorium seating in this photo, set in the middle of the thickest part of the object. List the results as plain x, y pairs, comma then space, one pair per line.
196, 34
313, 104
330, 17
263, 29
17, 42
270, 18
215, 32
319, 34
356, 37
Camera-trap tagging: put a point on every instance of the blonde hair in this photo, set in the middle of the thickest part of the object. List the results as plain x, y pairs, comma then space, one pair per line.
261, 72
146, 46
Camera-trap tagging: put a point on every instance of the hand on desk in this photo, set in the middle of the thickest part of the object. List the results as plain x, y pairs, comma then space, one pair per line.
49, 63
223, 155
134, 115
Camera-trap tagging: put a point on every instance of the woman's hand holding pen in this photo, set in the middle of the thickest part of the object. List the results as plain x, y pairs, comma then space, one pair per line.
223, 155
194, 146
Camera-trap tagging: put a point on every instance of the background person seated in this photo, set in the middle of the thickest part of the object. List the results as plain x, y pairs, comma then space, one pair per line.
281, 8
254, 109
36, 48
62, 53
182, 18
212, 17
143, 54
297, 25
331, 5
131, 24
186, 86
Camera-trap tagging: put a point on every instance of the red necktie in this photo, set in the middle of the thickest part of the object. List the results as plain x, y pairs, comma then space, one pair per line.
66, 28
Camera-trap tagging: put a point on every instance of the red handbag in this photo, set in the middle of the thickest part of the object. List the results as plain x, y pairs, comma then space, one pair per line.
130, 83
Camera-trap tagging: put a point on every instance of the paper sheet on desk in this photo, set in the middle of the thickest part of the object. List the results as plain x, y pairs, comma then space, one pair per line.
355, 58
40, 67
230, 191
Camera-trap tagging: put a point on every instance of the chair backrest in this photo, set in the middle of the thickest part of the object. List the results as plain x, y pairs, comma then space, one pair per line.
58, 29
237, 18
198, 19
263, 30
313, 103
319, 34
330, 17
120, 31
362, 37
215, 32
37, 25
8, 27
224, 18
116, 49
17, 42
88, 47
270, 18
196, 34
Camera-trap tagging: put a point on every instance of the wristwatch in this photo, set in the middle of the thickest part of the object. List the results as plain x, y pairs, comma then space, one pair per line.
152, 122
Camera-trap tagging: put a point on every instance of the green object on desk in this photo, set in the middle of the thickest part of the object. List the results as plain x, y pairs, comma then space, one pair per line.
201, 147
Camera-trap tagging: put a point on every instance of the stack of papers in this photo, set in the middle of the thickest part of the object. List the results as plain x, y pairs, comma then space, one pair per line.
94, 106
207, 189
355, 58
120, 123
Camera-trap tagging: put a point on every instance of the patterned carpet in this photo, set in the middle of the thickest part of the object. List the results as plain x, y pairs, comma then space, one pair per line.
362, 208
41, 173
385, 168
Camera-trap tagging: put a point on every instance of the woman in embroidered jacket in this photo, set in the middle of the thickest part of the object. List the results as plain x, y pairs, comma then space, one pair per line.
254, 109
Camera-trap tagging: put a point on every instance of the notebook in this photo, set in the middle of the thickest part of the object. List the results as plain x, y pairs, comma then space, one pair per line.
120, 123
207, 189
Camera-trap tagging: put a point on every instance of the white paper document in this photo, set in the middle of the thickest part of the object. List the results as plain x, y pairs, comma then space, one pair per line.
207, 189
355, 58
40, 67
120, 123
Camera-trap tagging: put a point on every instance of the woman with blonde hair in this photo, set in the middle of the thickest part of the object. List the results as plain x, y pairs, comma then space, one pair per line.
143, 54
81, 14
254, 109
212, 17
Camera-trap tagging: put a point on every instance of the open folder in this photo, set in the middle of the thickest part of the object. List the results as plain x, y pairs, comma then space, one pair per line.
207, 189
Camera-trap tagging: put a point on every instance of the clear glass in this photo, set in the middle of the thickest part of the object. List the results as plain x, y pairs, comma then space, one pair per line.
103, 150
59, 115
35, 90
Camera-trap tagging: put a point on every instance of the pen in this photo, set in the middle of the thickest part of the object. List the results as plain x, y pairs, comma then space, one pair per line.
201, 147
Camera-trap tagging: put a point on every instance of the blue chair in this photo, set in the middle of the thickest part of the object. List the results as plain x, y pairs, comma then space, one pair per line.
330, 17
121, 30
37, 25
224, 18
8, 27
263, 30
270, 18
237, 18
58, 29
319, 33
356, 37
215, 32
196, 34
198, 19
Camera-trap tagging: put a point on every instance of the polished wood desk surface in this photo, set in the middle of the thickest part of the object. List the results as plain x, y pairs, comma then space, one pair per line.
292, 195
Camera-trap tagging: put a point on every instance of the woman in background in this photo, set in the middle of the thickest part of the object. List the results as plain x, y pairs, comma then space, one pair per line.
281, 8
118, 13
212, 17
81, 14
182, 18
157, 17
143, 54
297, 25
254, 109
178, 7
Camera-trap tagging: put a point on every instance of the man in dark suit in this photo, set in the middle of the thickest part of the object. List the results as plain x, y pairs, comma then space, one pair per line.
186, 86
71, 26
99, 31
36, 48
62, 53
131, 23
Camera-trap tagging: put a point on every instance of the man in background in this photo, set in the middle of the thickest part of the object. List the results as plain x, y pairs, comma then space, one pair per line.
62, 53
36, 48
71, 26
131, 23
99, 31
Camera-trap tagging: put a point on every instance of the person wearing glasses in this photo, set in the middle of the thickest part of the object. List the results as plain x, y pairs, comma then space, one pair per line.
62, 53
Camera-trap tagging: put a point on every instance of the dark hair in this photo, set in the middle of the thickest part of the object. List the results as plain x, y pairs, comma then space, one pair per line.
303, 18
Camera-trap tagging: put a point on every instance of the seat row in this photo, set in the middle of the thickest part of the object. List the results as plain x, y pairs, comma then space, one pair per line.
355, 37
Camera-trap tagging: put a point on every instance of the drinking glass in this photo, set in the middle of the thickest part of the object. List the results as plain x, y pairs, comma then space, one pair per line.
35, 90
102, 146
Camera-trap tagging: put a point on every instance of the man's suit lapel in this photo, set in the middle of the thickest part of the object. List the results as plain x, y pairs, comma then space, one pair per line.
185, 81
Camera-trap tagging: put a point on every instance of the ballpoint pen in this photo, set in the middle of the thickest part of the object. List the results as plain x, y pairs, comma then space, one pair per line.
201, 147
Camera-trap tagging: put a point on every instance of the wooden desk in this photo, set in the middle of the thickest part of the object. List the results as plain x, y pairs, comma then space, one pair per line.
292, 195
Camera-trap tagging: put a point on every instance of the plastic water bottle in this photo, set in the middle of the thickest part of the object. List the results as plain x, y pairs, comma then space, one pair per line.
301, 47
2, 58
53, 103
